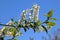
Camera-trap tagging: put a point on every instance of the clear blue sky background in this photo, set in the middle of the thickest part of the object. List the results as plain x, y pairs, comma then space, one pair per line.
13, 8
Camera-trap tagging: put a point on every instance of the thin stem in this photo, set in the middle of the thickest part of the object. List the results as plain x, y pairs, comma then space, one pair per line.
6, 25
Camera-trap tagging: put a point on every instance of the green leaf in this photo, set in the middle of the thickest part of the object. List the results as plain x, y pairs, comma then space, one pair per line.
34, 29
38, 28
24, 25
52, 19
16, 22
38, 23
31, 24
44, 28
12, 29
50, 24
50, 13
25, 29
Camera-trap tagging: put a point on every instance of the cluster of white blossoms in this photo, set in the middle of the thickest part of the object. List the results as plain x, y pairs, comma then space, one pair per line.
35, 9
5, 28
32, 13
6, 31
10, 23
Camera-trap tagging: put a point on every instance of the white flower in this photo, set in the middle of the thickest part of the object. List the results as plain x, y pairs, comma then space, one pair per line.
10, 23
3, 29
18, 34
35, 6
27, 11
24, 12
8, 33
0, 32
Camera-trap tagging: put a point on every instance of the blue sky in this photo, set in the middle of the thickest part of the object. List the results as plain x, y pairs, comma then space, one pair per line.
13, 8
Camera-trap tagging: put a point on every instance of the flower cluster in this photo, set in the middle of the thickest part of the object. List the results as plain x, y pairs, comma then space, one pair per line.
29, 19
32, 13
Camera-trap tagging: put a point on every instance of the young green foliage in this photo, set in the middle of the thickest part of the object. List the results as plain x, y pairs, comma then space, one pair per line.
50, 24
49, 14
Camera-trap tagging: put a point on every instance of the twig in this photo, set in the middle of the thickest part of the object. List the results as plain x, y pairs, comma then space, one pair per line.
6, 25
